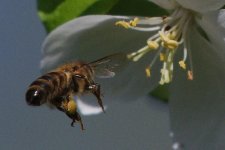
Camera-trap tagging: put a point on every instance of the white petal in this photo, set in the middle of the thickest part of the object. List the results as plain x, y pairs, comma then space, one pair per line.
198, 106
140, 125
202, 6
166, 4
214, 25
61, 43
92, 37
87, 109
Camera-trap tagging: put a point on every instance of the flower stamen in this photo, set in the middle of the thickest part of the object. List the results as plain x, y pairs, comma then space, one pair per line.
135, 56
134, 22
190, 75
171, 32
162, 57
148, 72
182, 64
123, 24
153, 44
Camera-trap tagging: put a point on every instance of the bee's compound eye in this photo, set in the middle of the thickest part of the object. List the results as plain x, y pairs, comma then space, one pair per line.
34, 97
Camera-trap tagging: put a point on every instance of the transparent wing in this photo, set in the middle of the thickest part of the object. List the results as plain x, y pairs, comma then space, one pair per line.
107, 67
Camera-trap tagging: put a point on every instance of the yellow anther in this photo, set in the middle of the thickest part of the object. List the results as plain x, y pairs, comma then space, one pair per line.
170, 44
123, 24
134, 22
153, 44
163, 36
190, 75
172, 35
148, 72
162, 57
182, 64
167, 42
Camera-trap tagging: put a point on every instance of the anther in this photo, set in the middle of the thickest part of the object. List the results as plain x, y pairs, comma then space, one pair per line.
182, 64
162, 57
148, 72
190, 75
153, 44
123, 24
134, 22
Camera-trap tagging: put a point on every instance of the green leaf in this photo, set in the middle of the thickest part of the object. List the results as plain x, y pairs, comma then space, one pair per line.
137, 8
100, 7
161, 92
56, 12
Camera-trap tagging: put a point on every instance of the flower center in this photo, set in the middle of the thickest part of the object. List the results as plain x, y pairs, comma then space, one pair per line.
171, 34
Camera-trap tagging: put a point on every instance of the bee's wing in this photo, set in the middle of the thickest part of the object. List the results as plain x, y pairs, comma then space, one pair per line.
107, 67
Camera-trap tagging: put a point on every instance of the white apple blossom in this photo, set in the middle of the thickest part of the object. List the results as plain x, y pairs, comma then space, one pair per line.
190, 43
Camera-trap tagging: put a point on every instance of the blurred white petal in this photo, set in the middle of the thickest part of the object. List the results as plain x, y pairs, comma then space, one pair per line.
202, 6
213, 24
198, 106
87, 109
77, 39
92, 37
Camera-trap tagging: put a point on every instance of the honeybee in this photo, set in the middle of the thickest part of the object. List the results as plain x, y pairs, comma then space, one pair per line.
59, 86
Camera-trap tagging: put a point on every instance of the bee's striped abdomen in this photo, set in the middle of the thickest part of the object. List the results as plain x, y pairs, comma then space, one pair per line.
47, 87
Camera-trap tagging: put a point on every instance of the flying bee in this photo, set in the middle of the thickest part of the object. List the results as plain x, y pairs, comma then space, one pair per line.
58, 87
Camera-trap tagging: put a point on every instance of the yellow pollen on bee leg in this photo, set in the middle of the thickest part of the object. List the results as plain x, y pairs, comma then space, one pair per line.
71, 106
64, 105
148, 72
123, 24
182, 64
190, 75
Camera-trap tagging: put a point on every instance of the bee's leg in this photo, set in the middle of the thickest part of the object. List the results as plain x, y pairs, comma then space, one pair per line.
76, 117
58, 103
80, 120
75, 79
95, 89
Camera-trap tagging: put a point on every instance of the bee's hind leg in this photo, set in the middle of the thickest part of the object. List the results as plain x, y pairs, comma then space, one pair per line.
93, 87
76, 117
96, 90
63, 103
